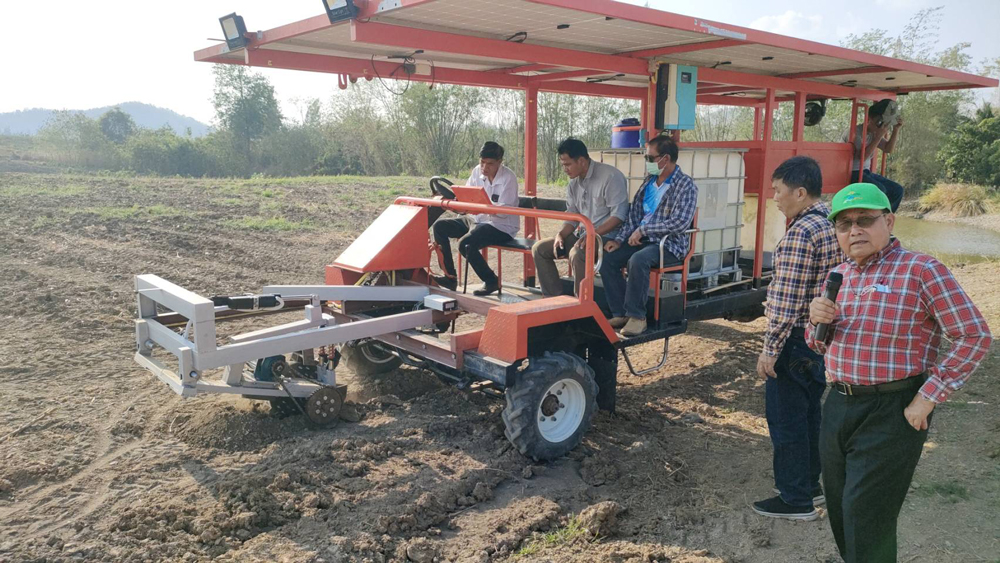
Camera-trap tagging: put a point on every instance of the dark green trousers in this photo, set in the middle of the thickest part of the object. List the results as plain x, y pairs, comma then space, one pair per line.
868, 453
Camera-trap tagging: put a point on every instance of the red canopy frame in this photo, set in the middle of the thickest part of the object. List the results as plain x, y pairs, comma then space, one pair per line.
536, 68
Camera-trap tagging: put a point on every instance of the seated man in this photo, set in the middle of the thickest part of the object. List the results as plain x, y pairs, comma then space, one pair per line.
482, 230
882, 116
596, 190
662, 209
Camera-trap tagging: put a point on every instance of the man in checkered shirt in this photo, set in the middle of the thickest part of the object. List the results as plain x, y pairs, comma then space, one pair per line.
662, 210
888, 373
793, 373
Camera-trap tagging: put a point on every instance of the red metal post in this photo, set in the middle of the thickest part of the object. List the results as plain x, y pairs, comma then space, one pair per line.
650, 106
530, 168
756, 123
864, 141
765, 187
852, 132
884, 161
799, 129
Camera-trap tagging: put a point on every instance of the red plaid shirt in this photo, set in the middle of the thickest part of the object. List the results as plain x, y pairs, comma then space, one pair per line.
803, 257
893, 312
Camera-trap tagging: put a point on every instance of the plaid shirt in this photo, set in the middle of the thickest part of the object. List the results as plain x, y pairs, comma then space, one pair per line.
893, 312
671, 218
802, 259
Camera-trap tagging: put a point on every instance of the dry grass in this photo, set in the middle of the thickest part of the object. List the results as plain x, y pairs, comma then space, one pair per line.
960, 200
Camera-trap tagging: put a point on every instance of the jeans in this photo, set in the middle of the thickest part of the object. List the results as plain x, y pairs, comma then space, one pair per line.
629, 299
891, 189
869, 453
793, 419
473, 238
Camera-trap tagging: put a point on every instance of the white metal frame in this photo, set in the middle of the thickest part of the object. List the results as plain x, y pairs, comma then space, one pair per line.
198, 353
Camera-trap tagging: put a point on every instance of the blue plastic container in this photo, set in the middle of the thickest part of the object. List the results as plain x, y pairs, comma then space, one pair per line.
625, 135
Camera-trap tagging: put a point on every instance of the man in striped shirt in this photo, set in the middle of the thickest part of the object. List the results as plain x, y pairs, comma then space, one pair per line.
793, 373
884, 362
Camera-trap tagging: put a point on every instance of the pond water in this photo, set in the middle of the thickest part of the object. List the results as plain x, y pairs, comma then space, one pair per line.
950, 243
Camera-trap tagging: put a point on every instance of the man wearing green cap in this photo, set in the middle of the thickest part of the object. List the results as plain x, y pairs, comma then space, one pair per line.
883, 360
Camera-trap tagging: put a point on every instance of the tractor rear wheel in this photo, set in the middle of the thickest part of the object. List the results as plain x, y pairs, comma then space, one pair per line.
551, 406
369, 357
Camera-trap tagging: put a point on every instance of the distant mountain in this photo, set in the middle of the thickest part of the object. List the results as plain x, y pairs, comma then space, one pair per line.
29, 121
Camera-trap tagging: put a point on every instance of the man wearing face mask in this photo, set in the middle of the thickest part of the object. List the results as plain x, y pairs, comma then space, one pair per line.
662, 209
884, 360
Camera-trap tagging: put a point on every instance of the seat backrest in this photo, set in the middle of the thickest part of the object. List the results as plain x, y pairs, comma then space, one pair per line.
550, 204
526, 202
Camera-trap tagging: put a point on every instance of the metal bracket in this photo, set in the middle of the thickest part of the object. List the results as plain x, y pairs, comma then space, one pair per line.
663, 360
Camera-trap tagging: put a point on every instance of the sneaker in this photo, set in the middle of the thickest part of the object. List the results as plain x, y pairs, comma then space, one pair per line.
634, 327
818, 497
617, 322
774, 507
487, 289
447, 282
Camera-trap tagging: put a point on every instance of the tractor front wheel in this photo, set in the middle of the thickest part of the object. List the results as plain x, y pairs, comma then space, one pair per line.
551, 406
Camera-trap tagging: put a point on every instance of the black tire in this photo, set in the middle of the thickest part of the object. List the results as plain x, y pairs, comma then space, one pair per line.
532, 409
369, 358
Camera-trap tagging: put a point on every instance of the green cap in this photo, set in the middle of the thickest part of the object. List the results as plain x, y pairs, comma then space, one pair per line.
858, 196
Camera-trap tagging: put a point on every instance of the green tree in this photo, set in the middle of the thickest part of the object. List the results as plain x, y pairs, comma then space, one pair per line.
117, 125
972, 153
439, 121
245, 104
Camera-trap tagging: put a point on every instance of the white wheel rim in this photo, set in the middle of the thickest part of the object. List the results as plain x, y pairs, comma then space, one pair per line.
561, 410
371, 352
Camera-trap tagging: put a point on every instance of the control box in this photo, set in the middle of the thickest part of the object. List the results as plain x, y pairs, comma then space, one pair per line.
676, 96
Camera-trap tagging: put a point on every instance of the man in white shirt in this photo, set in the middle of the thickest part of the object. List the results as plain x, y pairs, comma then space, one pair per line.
479, 231
881, 119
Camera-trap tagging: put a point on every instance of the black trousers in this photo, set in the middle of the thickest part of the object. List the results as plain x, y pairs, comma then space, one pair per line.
473, 238
868, 453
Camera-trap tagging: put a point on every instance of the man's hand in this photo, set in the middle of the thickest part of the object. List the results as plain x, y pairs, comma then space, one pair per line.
899, 122
822, 311
612, 245
918, 410
635, 238
557, 244
765, 366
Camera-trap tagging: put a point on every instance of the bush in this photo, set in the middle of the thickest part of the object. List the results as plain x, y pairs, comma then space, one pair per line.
163, 153
961, 200
972, 153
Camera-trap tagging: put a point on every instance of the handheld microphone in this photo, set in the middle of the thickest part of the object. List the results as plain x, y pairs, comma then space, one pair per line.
830, 291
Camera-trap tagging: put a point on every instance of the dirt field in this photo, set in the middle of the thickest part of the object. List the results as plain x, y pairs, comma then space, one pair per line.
101, 462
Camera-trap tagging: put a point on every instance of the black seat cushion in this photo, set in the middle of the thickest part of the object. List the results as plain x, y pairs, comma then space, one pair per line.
518, 243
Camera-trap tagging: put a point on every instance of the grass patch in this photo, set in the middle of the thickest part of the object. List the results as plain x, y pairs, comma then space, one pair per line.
570, 533
47, 190
268, 224
960, 200
951, 491
134, 212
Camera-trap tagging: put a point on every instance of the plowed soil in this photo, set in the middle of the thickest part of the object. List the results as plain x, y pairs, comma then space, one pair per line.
99, 461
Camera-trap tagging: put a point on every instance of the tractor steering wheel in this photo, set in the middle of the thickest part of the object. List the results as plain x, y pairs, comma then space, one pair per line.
439, 186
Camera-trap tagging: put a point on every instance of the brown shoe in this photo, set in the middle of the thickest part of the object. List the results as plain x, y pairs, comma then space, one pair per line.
617, 322
634, 327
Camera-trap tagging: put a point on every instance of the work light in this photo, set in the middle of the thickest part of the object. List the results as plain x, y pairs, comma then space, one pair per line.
234, 31
339, 10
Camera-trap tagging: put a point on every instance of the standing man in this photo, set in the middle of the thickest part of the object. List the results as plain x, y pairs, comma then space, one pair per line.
662, 209
888, 373
882, 116
480, 231
597, 191
793, 373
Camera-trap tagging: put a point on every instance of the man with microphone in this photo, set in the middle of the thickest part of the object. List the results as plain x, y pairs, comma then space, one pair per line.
883, 359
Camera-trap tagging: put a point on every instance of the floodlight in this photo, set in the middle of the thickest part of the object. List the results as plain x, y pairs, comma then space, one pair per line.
340, 10
234, 30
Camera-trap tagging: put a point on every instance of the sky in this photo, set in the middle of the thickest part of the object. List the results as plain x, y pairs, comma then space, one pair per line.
79, 55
